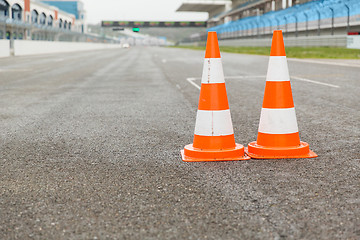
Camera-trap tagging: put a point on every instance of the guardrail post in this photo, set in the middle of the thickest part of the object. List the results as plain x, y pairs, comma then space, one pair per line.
270, 26
296, 26
252, 29
332, 20
12, 51
306, 23
348, 18
261, 21
4, 29
278, 23
318, 32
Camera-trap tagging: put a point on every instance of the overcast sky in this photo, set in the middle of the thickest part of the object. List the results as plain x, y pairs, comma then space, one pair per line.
147, 10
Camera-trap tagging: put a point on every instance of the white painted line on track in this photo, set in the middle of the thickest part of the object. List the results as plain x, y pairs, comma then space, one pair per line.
323, 62
191, 80
315, 82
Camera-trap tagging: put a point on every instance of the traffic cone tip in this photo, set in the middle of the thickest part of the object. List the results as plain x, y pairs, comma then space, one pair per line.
277, 47
212, 46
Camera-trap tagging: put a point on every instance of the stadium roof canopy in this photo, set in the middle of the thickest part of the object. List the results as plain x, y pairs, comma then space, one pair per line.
202, 6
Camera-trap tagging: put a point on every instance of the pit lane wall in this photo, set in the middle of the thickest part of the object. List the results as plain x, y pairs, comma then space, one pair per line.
25, 47
4, 48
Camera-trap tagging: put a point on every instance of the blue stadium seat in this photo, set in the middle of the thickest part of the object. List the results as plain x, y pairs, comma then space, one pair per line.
309, 11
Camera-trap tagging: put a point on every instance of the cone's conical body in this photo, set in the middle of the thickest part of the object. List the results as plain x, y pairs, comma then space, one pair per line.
278, 134
214, 135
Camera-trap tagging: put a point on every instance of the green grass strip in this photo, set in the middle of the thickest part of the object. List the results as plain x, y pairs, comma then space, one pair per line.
293, 52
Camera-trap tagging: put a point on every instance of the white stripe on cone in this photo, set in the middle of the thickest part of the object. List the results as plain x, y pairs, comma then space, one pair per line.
278, 121
213, 123
278, 69
212, 71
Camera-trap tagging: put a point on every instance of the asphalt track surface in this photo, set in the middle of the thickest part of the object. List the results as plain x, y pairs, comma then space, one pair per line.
90, 149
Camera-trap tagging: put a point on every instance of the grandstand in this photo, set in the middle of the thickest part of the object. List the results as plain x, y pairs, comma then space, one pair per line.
49, 20
258, 18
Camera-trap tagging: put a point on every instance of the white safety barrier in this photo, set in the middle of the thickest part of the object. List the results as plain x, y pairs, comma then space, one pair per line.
4, 48
310, 41
25, 47
353, 42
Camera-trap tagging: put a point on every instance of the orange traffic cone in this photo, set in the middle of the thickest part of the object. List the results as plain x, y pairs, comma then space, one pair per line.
214, 135
278, 135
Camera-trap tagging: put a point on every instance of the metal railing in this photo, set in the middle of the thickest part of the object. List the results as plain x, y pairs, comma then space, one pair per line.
313, 18
14, 29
